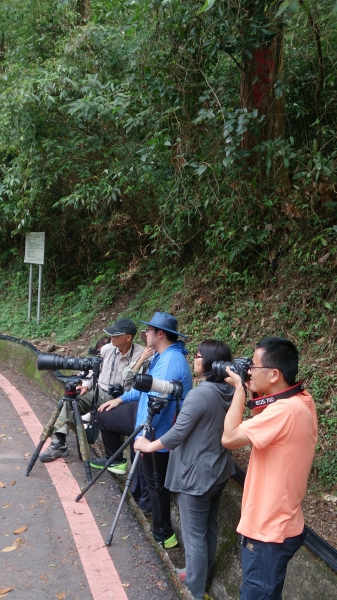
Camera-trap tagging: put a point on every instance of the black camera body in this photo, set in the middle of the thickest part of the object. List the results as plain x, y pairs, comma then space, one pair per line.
115, 391
240, 366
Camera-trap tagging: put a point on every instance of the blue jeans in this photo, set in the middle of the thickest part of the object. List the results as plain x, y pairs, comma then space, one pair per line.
264, 567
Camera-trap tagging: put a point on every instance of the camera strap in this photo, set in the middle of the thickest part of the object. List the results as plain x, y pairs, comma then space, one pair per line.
264, 401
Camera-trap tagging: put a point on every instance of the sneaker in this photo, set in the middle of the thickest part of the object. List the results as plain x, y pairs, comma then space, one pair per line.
55, 450
118, 468
170, 542
181, 574
98, 463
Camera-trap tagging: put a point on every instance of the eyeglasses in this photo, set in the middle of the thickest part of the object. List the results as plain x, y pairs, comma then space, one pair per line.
197, 355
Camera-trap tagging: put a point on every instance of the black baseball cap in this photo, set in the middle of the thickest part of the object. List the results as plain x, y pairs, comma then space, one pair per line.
120, 327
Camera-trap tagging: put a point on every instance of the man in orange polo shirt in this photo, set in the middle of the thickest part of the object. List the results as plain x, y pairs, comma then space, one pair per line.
283, 433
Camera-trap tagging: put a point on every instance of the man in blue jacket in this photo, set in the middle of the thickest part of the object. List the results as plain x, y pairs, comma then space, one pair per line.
168, 363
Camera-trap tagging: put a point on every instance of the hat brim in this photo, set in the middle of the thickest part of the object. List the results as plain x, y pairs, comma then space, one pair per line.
163, 328
114, 334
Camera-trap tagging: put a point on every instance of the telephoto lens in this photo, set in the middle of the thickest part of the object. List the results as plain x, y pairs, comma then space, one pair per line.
53, 362
146, 383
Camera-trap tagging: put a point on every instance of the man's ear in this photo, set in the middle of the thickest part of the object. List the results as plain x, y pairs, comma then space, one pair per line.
276, 376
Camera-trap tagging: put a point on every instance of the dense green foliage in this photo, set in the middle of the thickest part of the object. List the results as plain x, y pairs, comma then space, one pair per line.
129, 140
125, 135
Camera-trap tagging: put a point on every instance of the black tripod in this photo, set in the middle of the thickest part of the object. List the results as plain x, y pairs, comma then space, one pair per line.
71, 396
155, 405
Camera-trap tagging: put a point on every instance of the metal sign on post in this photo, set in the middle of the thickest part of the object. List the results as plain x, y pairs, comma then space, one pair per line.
34, 254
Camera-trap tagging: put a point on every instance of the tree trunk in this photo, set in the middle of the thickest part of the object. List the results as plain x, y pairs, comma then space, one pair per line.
261, 89
2, 52
83, 8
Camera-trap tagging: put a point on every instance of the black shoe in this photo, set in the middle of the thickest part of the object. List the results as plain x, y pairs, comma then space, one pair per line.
55, 450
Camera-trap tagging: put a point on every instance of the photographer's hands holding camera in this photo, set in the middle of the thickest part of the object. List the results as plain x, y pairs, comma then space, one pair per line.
233, 437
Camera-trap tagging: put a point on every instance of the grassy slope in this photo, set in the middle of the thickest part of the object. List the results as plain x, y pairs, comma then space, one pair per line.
300, 307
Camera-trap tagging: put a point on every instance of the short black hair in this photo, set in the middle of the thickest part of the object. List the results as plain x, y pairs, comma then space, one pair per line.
282, 354
210, 351
172, 337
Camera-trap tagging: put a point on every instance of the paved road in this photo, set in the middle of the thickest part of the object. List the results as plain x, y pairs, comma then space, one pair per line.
62, 552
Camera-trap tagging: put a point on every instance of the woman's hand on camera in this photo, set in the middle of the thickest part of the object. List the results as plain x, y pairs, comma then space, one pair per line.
110, 404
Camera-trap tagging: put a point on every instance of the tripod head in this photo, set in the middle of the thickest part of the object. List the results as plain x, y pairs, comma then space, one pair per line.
70, 388
154, 406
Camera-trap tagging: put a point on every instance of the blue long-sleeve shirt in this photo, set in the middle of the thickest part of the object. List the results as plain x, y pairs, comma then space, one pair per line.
169, 365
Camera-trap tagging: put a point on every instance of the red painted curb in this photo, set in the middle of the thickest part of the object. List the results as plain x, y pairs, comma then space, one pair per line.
98, 566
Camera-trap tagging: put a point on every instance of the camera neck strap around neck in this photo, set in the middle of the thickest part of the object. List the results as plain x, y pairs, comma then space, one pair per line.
264, 401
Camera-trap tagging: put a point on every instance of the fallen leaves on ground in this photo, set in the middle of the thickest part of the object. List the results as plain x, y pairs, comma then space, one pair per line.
161, 585
13, 482
2, 485
4, 592
14, 546
61, 595
125, 585
21, 529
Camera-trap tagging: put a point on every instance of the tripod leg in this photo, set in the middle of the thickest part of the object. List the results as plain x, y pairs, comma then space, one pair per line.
82, 439
157, 486
78, 448
110, 461
126, 488
46, 433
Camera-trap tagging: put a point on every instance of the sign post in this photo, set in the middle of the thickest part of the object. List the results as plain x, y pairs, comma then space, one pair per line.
34, 255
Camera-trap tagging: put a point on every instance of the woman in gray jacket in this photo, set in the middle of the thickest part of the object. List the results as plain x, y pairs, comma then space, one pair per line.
199, 467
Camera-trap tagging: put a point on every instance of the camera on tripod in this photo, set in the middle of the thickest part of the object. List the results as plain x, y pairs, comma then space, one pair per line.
53, 362
240, 366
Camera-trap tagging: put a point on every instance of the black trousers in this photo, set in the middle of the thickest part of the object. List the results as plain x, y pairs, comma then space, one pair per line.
163, 495
114, 424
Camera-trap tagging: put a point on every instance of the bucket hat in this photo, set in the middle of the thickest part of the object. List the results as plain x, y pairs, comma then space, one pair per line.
120, 327
164, 321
